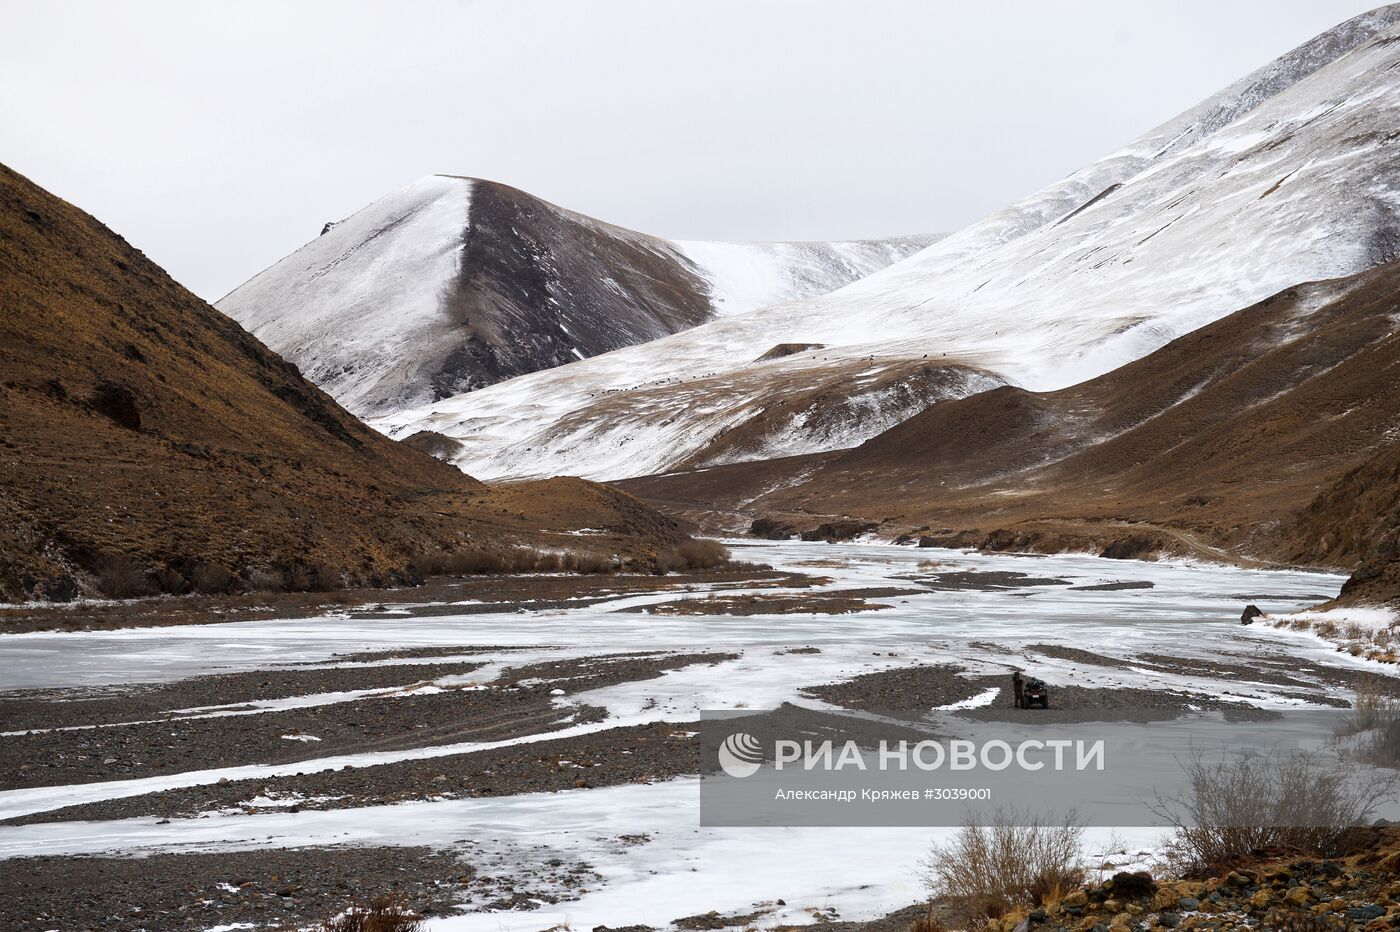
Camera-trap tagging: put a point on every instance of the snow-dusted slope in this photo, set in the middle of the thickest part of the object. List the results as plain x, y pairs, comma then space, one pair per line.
745, 276
1291, 174
351, 306
451, 284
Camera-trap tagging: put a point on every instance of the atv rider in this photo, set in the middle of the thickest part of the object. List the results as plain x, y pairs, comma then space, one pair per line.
1018, 689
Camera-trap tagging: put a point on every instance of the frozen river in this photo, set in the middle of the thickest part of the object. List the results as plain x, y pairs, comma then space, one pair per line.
1190, 610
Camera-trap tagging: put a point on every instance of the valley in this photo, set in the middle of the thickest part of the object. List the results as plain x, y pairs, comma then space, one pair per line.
499, 568
588, 813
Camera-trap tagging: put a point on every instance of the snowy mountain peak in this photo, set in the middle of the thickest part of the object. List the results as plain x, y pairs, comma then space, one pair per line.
451, 284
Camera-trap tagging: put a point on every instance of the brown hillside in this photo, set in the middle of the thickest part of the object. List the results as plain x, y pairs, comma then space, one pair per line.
1357, 520
147, 441
1236, 439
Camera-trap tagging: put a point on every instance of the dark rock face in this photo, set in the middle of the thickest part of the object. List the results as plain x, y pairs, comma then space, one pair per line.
1132, 547
839, 530
540, 286
772, 528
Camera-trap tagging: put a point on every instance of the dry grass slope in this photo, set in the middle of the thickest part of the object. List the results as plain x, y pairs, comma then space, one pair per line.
148, 443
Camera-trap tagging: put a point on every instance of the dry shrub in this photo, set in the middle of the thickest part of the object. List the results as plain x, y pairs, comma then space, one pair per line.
697, 554
594, 563
263, 579
1375, 716
314, 577
121, 576
551, 561
390, 913
928, 922
1370, 710
473, 561
461, 563
211, 579
168, 579
1017, 860
1289, 800
326, 578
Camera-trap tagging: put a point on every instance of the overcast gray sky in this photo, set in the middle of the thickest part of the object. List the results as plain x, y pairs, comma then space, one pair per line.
218, 137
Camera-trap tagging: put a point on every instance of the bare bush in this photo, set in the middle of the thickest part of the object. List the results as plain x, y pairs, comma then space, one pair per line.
1370, 710
474, 561
1017, 860
263, 579
697, 554
326, 578
1293, 800
390, 913
1374, 725
314, 577
212, 579
169, 579
594, 563
928, 922
121, 576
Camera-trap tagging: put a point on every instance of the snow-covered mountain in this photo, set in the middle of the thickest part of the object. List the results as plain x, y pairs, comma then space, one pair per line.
1289, 175
451, 284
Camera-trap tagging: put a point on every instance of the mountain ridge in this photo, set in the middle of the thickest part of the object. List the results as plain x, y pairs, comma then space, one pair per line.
452, 284
1063, 285
1269, 434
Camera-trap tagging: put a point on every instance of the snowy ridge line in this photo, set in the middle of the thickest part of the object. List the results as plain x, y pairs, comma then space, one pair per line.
1067, 284
453, 283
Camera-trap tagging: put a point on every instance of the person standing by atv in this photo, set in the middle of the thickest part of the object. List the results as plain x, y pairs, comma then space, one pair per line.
1018, 689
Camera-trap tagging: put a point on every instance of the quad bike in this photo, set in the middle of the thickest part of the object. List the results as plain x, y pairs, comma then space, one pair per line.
1036, 694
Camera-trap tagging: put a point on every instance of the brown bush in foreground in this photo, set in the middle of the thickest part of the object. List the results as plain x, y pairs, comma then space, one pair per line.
1371, 710
1017, 860
390, 913
1290, 801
